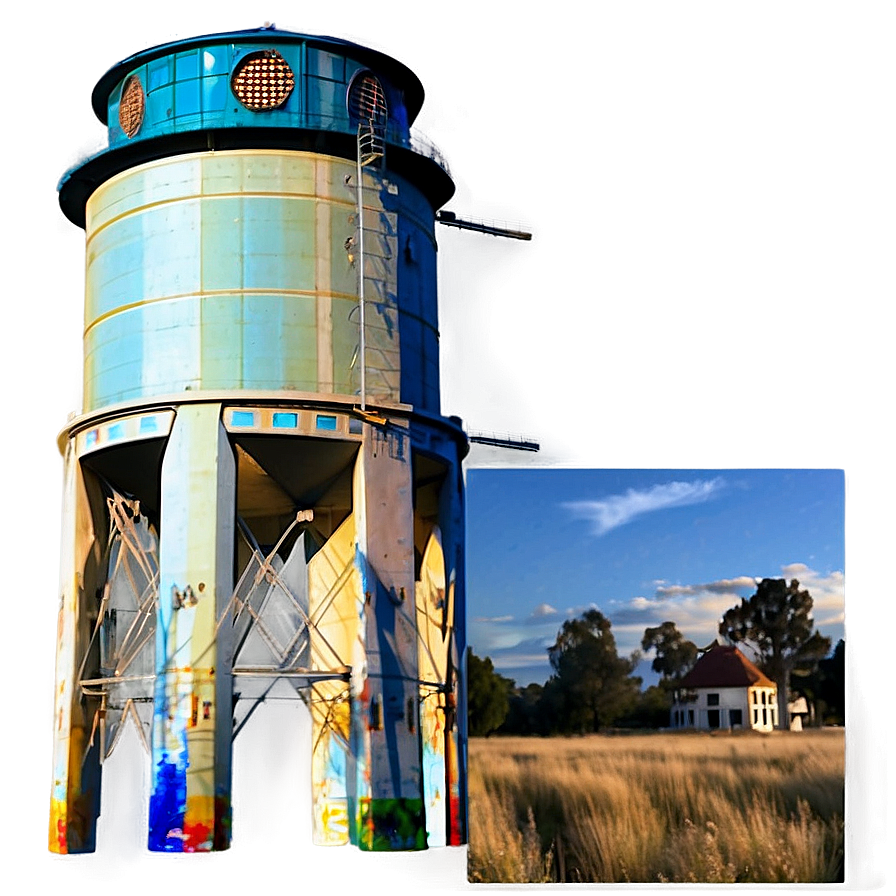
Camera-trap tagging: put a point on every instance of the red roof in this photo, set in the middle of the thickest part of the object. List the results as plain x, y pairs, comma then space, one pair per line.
724, 667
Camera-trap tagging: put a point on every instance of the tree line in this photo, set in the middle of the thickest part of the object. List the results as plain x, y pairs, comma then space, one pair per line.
592, 687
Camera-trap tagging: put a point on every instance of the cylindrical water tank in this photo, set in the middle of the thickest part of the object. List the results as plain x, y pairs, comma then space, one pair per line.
236, 270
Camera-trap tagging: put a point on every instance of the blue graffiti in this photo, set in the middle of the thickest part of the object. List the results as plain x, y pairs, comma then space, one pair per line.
167, 807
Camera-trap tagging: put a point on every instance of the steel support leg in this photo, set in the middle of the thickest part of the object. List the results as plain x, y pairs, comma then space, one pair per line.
75, 798
388, 786
192, 720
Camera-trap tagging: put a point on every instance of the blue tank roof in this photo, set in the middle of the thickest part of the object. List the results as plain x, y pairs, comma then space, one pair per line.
186, 103
401, 75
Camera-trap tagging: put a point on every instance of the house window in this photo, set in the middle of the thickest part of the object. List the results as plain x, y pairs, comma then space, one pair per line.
763, 698
713, 718
690, 717
755, 696
712, 699
764, 718
755, 716
735, 717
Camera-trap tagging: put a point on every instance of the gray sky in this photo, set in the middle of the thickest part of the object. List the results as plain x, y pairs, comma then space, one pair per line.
711, 189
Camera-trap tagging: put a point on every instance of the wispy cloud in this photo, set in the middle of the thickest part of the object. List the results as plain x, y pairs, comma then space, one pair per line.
721, 586
609, 513
527, 652
493, 618
697, 608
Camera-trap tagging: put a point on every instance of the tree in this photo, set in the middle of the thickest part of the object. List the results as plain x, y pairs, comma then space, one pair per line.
528, 713
487, 696
833, 677
651, 710
674, 655
592, 685
776, 622
826, 687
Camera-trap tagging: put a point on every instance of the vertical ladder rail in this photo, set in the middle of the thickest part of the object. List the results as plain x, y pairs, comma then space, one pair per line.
371, 148
362, 344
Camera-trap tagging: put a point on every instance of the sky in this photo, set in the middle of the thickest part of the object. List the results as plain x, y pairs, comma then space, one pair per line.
710, 186
643, 547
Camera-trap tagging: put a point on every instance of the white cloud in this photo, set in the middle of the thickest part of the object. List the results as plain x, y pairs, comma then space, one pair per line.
543, 610
828, 590
696, 608
609, 513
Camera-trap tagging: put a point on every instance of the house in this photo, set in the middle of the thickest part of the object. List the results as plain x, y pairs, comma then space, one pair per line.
725, 690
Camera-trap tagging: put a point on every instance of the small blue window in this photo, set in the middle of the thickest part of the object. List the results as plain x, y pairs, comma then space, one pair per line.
242, 418
216, 60
354, 425
187, 65
160, 104
325, 421
90, 438
158, 73
186, 98
326, 65
149, 424
116, 431
214, 93
286, 421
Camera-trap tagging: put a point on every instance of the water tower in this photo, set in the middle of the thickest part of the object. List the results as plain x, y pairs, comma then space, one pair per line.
262, 497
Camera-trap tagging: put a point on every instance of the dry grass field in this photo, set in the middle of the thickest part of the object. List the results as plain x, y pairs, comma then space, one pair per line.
682, 807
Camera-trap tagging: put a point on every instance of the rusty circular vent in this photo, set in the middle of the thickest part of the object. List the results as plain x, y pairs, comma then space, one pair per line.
262, 81
367, 100
131, 106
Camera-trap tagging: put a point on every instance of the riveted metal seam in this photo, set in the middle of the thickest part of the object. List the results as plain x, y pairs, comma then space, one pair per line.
208, 197
306, 293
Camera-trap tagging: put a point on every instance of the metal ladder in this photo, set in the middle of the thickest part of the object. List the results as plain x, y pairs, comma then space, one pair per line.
375, 242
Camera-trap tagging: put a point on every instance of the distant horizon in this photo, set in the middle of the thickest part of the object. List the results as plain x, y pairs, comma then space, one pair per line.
643, 547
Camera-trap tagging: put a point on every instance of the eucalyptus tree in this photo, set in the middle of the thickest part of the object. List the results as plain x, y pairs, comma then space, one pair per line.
777, 624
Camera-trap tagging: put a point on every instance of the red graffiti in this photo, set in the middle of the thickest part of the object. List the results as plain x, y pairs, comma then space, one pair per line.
197, 837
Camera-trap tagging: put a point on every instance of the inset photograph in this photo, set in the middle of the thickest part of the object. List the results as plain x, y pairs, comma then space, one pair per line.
656, 676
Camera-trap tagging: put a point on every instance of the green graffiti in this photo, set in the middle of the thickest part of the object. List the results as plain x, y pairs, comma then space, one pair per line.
388, 825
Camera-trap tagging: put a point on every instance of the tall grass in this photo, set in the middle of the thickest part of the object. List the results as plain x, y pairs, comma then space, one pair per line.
681, 807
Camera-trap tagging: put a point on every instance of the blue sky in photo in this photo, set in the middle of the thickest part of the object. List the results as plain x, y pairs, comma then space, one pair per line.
643, 546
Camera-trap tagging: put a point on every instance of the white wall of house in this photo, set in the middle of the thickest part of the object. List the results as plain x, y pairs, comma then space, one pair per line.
737, 708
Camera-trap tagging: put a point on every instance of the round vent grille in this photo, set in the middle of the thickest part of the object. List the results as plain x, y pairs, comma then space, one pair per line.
131, 106
367, 101
263, 81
